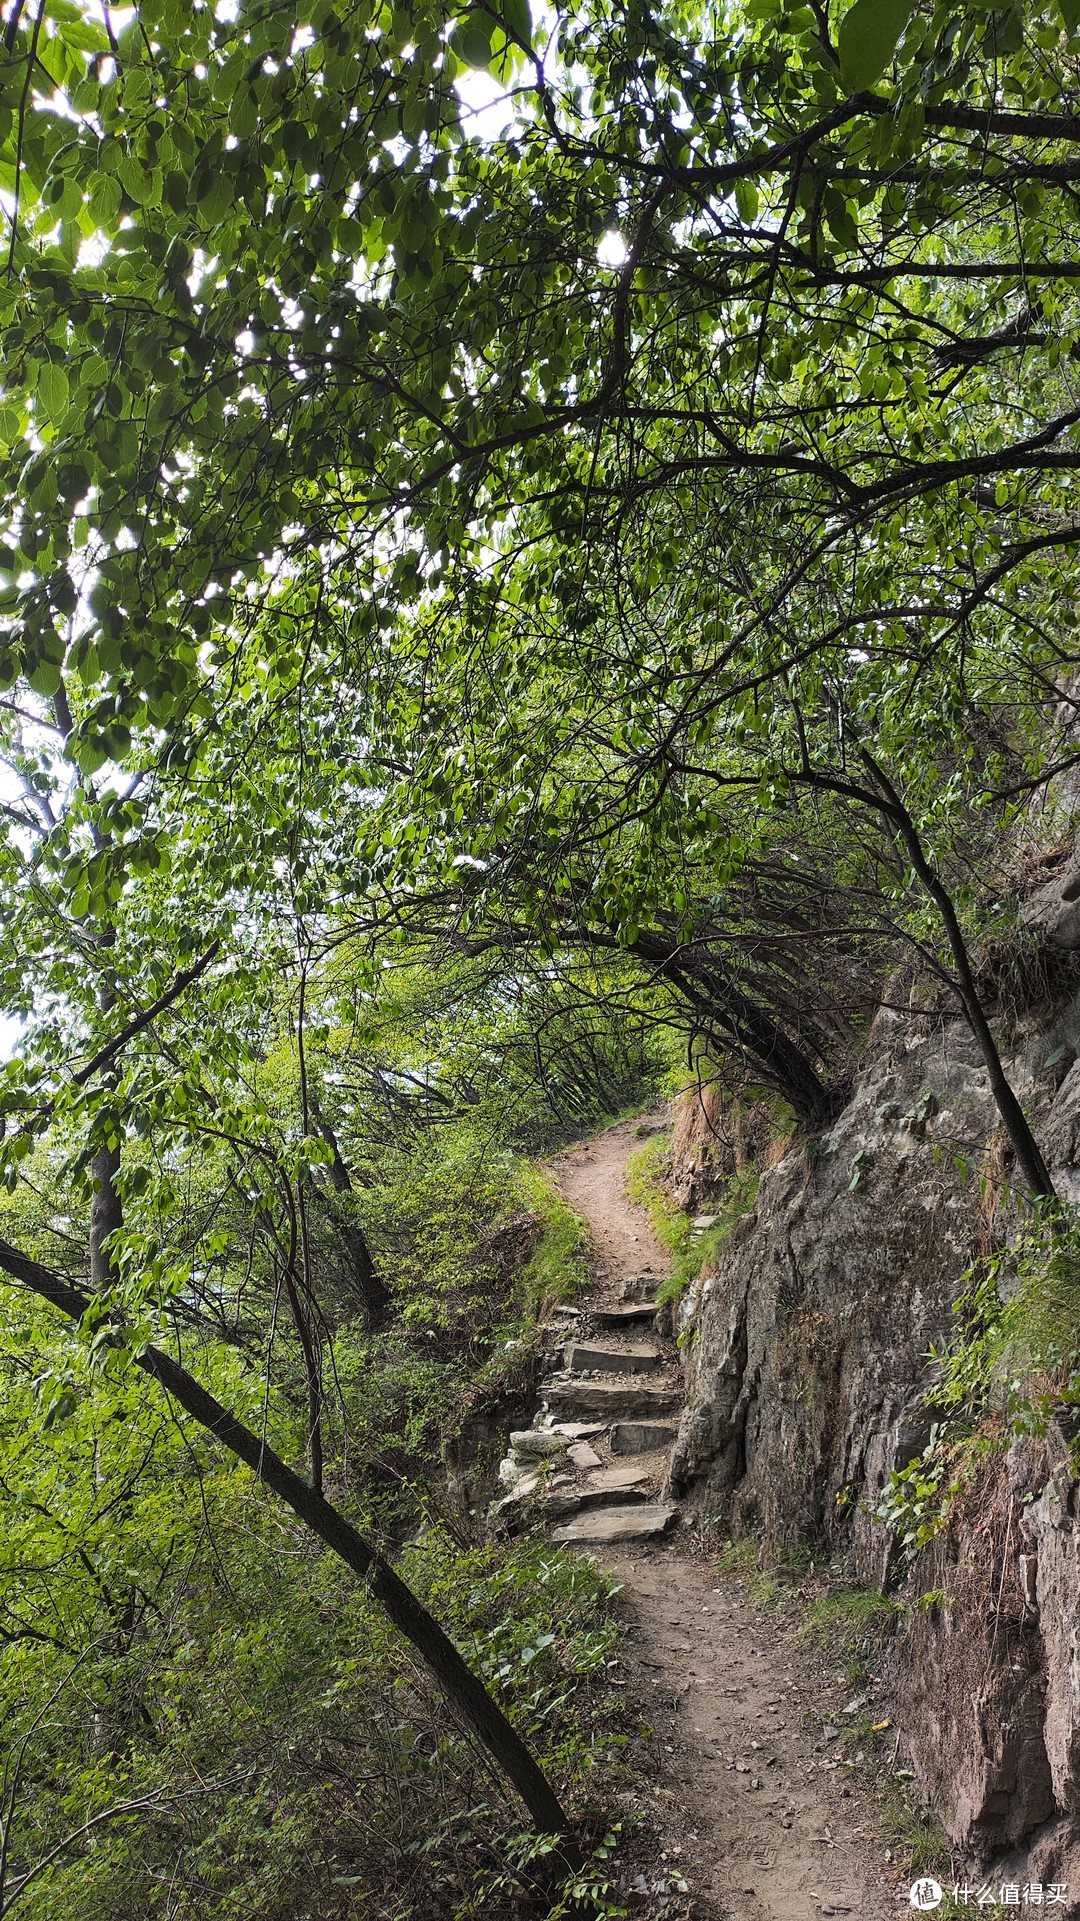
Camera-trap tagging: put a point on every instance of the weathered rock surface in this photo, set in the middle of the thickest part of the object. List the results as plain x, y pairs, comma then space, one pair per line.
641, 1437
584, 1357
1054, 909
638, 1289
969, 1669
618, 1524
583, 1455
808, 1361
614, 1400
806, 1378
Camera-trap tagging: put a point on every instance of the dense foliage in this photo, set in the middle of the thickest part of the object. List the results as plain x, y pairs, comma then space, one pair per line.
526, 545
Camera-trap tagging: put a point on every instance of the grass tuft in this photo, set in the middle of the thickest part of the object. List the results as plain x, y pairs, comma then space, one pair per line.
691, 1253
738, 1557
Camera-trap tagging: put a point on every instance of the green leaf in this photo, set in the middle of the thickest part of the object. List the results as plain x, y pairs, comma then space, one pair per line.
841, 220
105, 198
89, 752
746, 200
1070, 13
868, 37
518, 19
45, 678
52, 390
137, 180
471, 41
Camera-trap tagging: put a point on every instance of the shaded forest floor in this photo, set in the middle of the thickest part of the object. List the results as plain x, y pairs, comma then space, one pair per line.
761, 1820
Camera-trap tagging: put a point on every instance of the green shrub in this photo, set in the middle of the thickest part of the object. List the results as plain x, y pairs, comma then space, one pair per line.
1012, 1363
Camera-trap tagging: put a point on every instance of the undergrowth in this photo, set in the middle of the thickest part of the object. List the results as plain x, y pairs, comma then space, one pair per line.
481, 1242
557, 1268
1012, 1364
343, 1784
693, 1251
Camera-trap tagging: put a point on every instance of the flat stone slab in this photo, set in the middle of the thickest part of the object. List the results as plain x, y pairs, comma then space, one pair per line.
615, 1400
579, 1430
559, 1503
643, 1523
584, 1357
640, 1437
616, 1480
583, 1455
625, 1316
583, 1499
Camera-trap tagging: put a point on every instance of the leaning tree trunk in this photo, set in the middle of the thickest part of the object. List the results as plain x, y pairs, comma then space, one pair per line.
1025, 1146
465, 1691
746, 1028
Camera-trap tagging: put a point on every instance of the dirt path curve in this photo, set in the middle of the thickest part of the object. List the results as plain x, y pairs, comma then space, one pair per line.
773, 1832
592, 1176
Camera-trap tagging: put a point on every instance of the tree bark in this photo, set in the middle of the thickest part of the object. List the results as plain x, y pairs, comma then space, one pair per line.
106, 1215
463, 1689
370, 1287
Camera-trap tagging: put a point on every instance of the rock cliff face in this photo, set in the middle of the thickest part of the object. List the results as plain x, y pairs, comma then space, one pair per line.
805, 1359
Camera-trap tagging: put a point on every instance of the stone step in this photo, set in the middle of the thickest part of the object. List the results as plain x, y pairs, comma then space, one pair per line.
585, 1357
615, 1480
628, 1315
641, 1437
640, 1288
582, 1455
597, 1527
562, 1503
579, 1430
537, 1499
612, 1400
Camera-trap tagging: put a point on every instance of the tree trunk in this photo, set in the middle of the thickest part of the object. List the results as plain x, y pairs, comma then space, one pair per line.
1025, 1146
106, 1215
464, 1689
368, 1283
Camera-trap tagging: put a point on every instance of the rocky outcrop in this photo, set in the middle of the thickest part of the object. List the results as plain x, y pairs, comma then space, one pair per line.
805, 1358
804, 1350
968, 1666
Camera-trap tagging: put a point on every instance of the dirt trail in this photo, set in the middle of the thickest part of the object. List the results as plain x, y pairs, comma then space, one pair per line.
592, 1176
775, 1832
